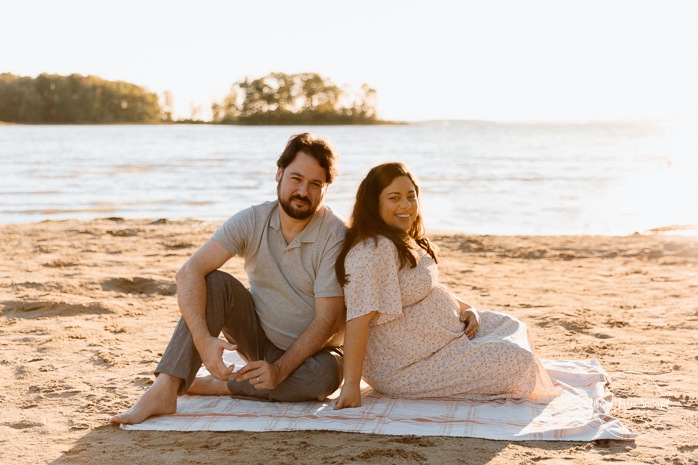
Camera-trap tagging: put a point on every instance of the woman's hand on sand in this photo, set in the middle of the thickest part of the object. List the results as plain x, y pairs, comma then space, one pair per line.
471, 318
211, 351
349, 397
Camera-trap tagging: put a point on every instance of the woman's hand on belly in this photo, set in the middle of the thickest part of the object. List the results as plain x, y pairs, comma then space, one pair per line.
471, 318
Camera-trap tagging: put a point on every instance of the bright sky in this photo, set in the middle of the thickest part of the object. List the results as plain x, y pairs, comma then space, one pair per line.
460, 59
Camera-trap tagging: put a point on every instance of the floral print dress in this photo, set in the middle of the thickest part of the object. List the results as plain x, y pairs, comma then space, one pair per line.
417, 346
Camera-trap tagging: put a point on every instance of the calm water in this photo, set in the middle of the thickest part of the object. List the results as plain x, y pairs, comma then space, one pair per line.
482, 178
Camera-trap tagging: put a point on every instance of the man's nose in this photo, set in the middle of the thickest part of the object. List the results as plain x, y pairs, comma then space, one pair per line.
303, 189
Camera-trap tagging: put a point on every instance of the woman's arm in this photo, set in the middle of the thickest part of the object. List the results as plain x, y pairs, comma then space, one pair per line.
355, 340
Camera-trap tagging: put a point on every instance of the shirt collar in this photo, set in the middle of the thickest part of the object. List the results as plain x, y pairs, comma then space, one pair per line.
311, 231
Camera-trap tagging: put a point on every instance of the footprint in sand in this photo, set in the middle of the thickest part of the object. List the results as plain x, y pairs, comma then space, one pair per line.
33, 309
22, 424
139, 286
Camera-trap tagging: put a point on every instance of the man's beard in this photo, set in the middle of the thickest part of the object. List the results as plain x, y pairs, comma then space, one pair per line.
297, 213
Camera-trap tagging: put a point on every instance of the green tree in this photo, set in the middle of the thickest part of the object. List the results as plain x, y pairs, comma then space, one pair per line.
303, 98
51, 98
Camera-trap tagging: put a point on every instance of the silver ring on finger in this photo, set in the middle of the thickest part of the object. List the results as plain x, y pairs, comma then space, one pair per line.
258, 380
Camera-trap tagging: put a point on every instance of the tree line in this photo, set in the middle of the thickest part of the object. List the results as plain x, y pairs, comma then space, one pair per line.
303, 98
277, 98
51, 98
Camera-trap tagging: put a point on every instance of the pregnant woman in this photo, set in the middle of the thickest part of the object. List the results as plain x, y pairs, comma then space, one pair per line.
407, 335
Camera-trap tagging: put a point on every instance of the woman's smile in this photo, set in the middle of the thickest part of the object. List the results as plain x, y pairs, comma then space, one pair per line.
398, 204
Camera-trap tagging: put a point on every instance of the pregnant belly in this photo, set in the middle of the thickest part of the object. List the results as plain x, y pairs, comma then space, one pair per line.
437, 315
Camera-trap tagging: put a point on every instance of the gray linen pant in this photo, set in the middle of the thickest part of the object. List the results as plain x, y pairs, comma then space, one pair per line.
230, 310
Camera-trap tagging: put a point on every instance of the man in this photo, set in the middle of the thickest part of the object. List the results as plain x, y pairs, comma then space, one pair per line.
284, 324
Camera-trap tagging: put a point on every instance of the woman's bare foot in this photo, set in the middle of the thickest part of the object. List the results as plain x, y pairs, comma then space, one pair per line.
208, 386
159, 399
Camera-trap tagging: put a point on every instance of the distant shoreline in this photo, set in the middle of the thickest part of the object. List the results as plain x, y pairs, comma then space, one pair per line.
203, 123
536, 122
674, 230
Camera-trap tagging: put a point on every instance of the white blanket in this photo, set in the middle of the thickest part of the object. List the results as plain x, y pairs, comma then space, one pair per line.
580, 413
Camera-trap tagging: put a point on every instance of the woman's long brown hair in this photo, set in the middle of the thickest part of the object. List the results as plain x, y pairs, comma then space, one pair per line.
366, 222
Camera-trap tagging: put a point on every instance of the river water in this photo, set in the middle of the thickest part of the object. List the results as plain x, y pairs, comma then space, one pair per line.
476, 177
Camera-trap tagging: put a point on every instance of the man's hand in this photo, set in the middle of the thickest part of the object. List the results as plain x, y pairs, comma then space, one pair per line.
262, 375
350, 397
211, 351
471, 318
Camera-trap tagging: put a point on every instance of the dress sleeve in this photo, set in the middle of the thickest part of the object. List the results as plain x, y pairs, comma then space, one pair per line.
373, 285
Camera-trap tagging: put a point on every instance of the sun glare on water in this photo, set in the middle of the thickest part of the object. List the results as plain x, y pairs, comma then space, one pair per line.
662, 195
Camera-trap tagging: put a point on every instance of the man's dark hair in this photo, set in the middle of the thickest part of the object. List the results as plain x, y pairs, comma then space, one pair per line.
316, 147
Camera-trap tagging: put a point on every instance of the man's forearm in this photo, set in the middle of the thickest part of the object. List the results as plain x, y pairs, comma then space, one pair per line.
308, 344
191, 297
191, 286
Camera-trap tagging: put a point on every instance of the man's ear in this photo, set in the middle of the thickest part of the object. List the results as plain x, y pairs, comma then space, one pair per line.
279, 173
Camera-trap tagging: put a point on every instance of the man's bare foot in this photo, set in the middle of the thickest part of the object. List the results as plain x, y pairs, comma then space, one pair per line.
208, 386
159, 399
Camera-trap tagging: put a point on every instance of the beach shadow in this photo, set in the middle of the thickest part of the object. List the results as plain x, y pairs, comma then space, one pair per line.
110, 444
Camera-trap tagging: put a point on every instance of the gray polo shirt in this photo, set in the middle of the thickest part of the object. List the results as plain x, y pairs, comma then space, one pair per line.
285, 278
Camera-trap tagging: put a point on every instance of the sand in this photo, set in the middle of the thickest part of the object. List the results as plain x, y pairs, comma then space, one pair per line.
86, 309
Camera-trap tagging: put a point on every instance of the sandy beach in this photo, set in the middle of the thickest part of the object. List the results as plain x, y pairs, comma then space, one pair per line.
87, 307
